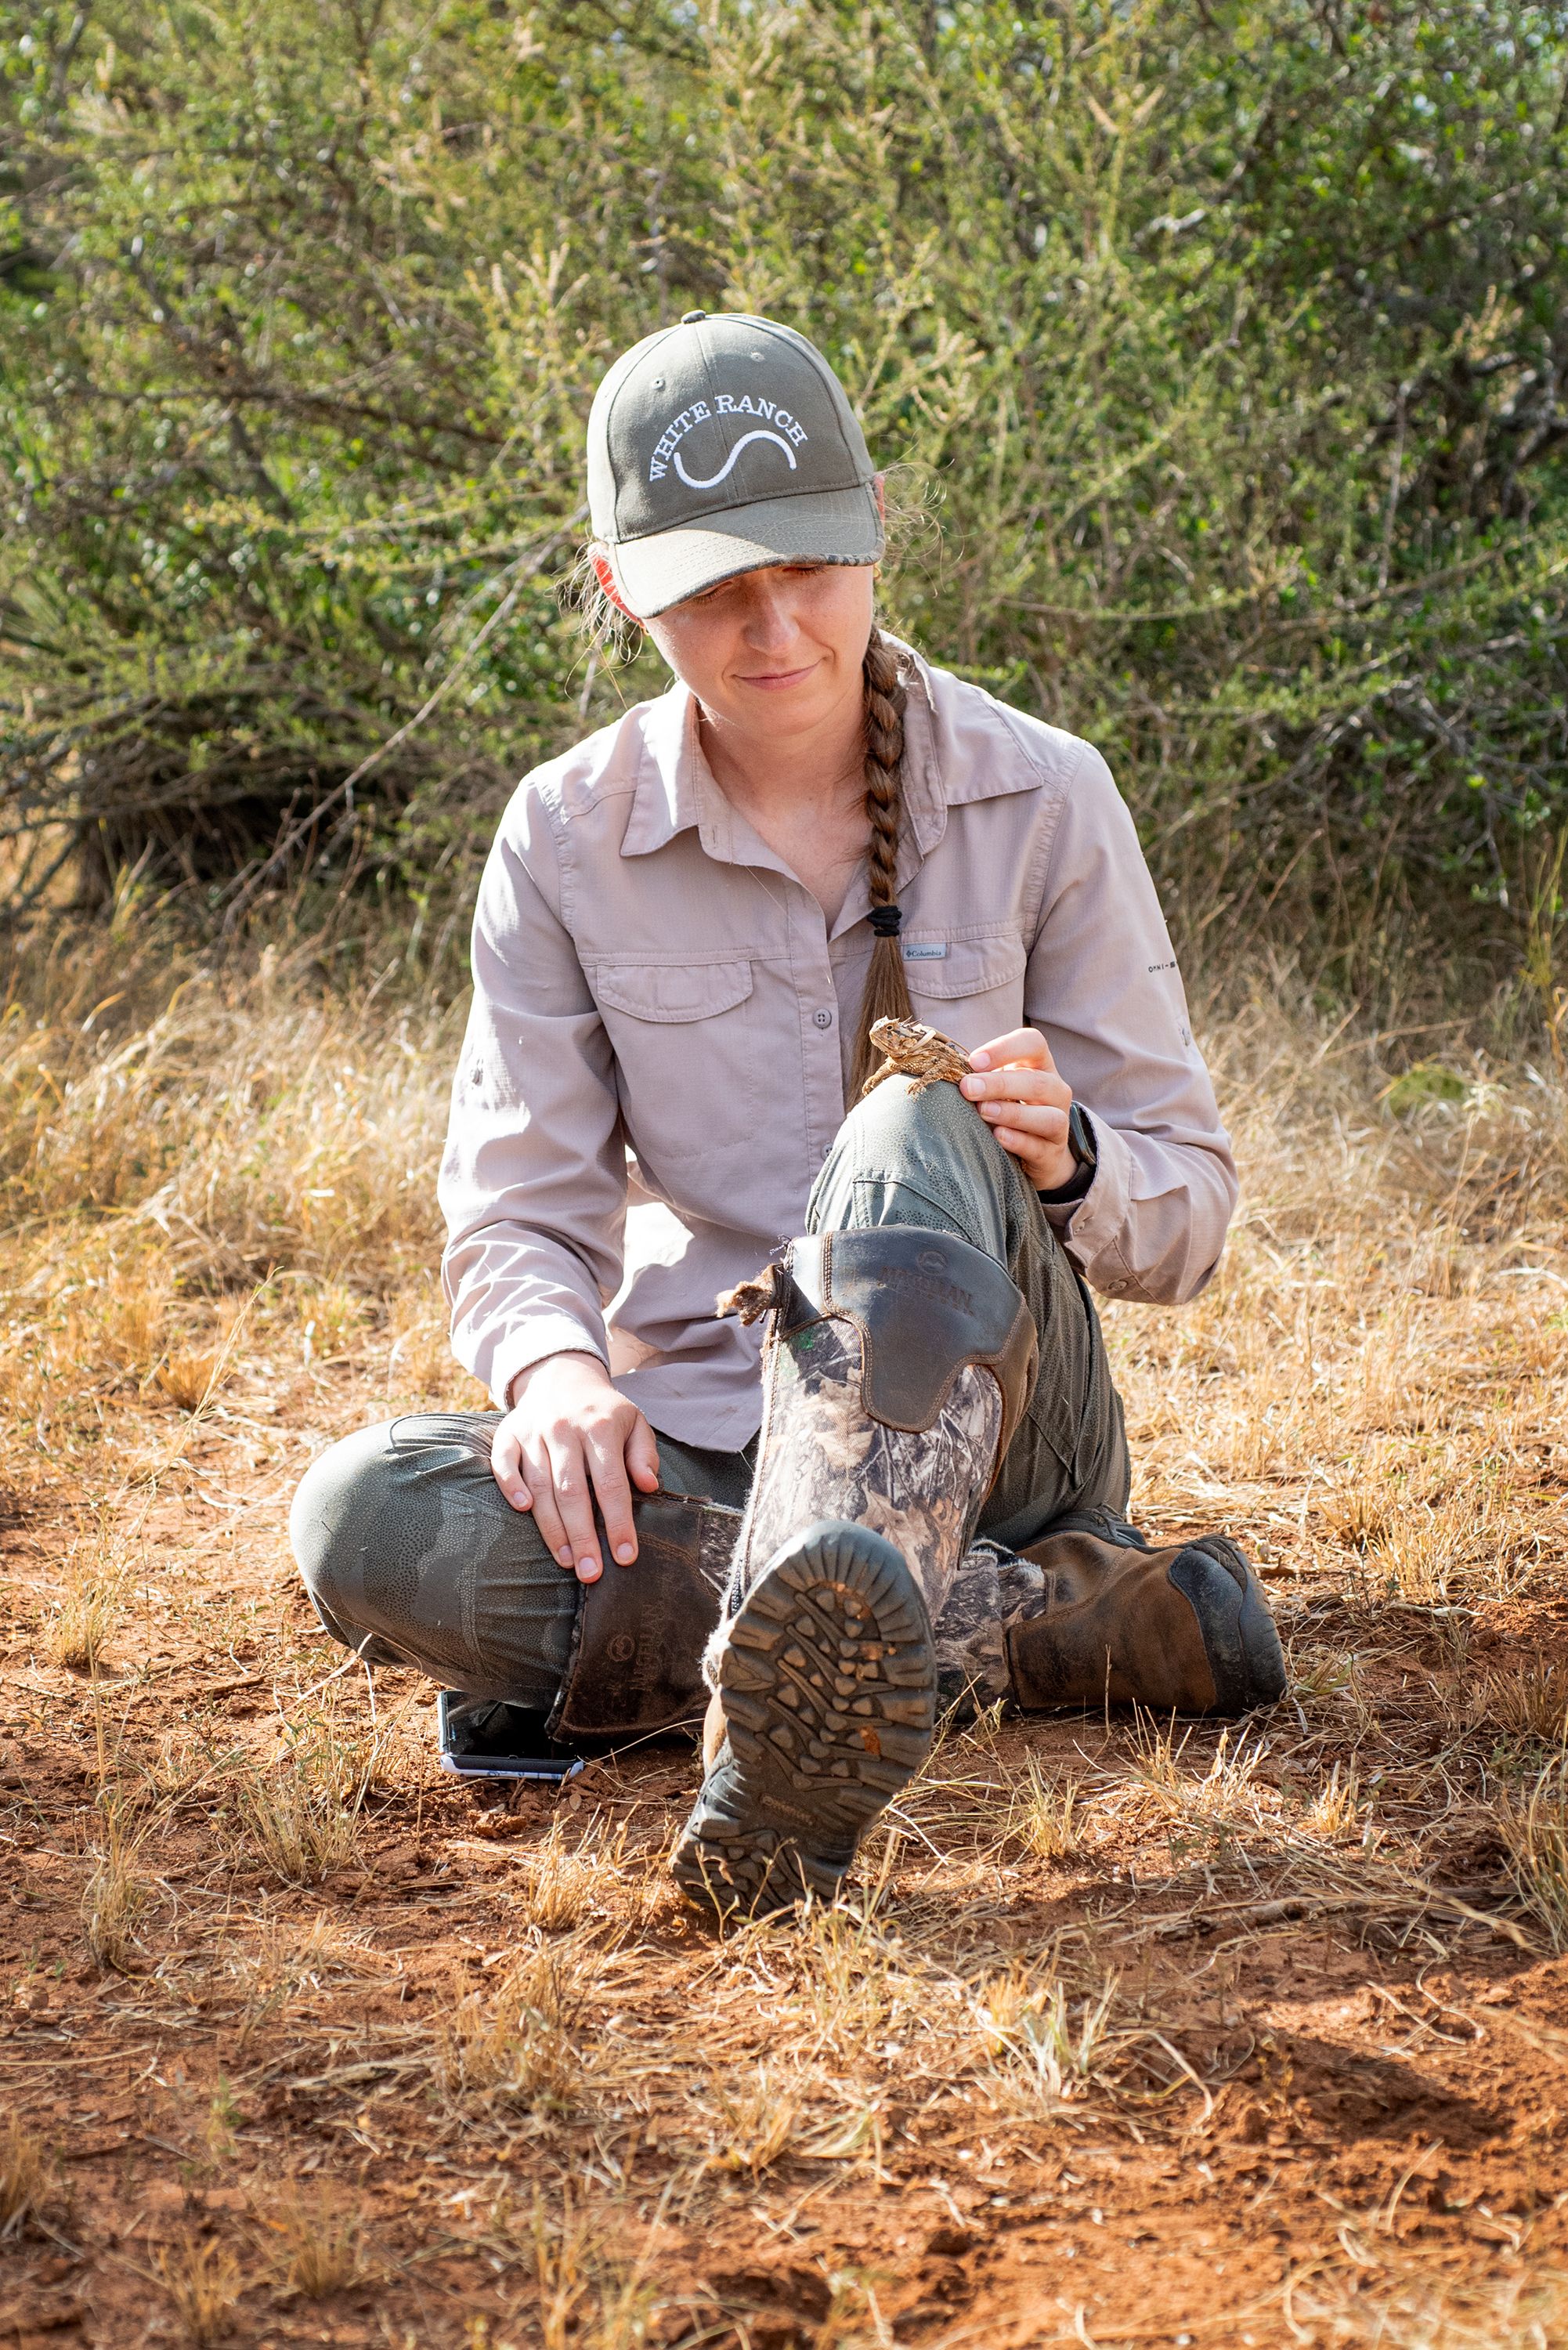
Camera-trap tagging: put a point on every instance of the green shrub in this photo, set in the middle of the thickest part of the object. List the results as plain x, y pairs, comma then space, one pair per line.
1219, 346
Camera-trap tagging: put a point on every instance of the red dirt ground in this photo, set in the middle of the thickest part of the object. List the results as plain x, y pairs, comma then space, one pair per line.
1331, 2106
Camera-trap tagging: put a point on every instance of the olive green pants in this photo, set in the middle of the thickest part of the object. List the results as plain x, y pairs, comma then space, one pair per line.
412, 1555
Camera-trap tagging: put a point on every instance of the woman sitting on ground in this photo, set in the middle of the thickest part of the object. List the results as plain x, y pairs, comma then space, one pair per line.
686, 930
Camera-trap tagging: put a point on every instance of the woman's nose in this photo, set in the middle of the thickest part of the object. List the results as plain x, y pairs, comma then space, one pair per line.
769, 621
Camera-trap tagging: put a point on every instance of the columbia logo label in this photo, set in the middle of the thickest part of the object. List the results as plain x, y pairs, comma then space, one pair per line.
934, 950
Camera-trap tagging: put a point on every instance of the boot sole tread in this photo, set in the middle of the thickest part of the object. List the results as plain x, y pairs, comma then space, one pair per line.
837, 1623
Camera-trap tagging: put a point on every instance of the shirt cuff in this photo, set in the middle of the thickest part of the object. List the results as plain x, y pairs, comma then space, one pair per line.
1068, 1195
1092, 1229
531, 1343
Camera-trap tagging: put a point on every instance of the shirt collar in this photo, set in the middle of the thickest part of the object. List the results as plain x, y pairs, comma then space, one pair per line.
667, 797
675, 790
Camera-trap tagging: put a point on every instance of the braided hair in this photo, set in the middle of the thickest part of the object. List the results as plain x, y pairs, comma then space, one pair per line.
886, 995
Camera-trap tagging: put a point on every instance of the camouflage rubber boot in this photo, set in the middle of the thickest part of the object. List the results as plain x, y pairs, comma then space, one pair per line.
1091, 1614
896, 1364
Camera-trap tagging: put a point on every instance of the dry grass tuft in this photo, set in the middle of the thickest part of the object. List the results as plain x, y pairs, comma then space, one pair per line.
300, 1813
590, 2297
302, 1832
851, 1983
563, 1883
95, 1580
1044, 2047
321, 2248
25, 2179
1535, 1831
189, 1375
219, 2130
287, 1959
1219, 1798
1428, 2313
180, 1766
760, 2113
1529, 1702
119, 1890
1336, 1810
514, 2045
1358, 1516
203, 2281
1043, 1815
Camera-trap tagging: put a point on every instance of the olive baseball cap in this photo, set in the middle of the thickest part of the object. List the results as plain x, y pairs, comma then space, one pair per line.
717, 446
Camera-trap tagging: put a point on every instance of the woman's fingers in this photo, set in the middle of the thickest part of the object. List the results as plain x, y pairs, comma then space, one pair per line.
570, 1440
575, 1500
606, 1459
1025, 1045
1047, 1124
507, 1466
642, 1456
546, 1516
1024, 1103
1018, 1084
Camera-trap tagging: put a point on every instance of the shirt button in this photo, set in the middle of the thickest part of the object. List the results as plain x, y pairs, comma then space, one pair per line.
823, 1019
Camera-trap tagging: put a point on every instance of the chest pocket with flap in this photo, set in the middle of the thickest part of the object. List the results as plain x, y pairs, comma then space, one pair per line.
973, 992
684, 1038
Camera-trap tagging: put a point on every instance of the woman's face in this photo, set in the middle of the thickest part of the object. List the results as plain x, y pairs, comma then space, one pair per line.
774, 652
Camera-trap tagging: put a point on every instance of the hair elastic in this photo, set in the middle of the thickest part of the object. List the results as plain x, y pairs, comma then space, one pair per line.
887, 921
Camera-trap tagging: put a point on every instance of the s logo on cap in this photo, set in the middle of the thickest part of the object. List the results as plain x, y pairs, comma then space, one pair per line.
713, 480
789, 429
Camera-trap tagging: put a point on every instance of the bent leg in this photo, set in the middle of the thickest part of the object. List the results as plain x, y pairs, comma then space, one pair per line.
412, 1554
926, 1158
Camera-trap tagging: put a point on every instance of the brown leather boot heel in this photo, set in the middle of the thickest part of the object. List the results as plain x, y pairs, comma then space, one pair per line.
1185, 1629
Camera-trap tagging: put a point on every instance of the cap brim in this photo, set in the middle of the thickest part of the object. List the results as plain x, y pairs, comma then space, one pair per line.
816, 526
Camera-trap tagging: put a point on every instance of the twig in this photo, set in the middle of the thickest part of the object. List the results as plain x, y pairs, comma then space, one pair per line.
1289, 1906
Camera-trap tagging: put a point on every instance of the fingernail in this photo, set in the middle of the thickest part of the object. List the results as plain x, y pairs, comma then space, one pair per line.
627, 1552
518, 1498
967, 1086
979, 1060
564, 1554
588, 1570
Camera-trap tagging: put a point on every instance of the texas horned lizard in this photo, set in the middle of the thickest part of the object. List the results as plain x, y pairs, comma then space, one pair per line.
913, 1051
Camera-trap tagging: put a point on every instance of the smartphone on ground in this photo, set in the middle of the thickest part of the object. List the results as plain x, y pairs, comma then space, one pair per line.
483, 1738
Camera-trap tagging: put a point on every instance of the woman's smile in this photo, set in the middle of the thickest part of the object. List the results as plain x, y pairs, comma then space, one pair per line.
777, 680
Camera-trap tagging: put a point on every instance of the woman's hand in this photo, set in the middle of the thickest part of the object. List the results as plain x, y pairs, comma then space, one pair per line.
1016, 1090
568, 1437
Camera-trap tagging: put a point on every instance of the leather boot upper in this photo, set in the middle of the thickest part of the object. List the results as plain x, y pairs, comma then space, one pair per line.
1184, 1629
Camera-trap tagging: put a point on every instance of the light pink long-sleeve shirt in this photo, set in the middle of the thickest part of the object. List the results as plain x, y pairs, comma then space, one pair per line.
652, 982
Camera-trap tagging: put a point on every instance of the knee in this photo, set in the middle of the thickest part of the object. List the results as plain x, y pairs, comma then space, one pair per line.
342, 1496
903, 1124
896, 1117
930, 1144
